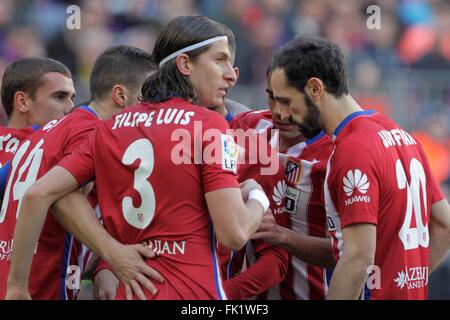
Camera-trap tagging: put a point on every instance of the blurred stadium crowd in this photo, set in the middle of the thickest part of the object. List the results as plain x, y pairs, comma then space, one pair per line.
401, 69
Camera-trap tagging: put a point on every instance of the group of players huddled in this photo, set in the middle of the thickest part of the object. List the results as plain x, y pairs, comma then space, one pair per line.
160, 187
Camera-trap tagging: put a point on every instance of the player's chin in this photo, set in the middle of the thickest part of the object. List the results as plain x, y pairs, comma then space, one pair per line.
217, 102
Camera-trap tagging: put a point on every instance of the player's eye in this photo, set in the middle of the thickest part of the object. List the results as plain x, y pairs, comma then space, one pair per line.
221, 58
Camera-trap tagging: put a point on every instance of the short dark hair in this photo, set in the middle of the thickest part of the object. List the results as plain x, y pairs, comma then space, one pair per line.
179, 33
26, 75
303, 58
120, 64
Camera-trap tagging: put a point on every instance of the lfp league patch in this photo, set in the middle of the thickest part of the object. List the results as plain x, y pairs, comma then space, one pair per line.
230, 153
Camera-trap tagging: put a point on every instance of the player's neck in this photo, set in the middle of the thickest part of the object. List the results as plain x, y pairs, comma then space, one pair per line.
222, 111
336, 111
101, 109
17, 121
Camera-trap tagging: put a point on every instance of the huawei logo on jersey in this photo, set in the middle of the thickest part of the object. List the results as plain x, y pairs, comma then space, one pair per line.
355, 180
279, 193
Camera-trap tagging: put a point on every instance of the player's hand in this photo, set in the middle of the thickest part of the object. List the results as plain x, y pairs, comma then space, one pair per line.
129, 266
16, 293
105, 285
268, 230
247, 186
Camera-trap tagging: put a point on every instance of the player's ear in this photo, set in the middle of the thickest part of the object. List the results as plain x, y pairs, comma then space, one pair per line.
184, 64
237, 72
315, 89
120, 95
22, 102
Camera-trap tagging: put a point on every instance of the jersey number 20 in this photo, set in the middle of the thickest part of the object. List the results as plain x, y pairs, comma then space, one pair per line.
412, 238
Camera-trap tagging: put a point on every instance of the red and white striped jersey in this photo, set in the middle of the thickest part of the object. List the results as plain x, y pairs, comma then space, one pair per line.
305, 167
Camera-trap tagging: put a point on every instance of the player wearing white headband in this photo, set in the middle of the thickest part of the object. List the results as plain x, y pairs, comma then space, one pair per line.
168, 207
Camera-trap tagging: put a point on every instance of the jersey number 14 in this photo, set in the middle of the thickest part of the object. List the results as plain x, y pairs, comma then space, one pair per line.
18, 189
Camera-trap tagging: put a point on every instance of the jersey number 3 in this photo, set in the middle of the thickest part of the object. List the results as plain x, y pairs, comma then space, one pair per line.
411, 237
140, 217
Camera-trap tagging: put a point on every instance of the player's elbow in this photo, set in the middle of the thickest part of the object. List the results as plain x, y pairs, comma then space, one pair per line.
361, 256
363, 259
231, 239
33, 193
36, 192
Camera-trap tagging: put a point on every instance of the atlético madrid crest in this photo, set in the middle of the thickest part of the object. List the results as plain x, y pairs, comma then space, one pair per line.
293, 171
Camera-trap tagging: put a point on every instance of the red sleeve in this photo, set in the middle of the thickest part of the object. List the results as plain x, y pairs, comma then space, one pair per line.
80, 163
238, 121
354, 182
220, 155
101, 265
269, 269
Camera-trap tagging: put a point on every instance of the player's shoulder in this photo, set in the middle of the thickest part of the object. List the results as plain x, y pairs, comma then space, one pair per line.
252, 119
19, 133
76, 117
355, 145
81, 114
320, 147
319, 141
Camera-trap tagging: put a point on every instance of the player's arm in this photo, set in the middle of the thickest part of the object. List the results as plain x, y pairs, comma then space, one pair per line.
269, 269
75, 213
35, 204
439, 232
234, 220
358, 255
312, 250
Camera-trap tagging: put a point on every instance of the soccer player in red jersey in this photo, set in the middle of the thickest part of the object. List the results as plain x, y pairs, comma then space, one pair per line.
34, 91
306, 236
115, 81
160, 182
259, 162
387, 216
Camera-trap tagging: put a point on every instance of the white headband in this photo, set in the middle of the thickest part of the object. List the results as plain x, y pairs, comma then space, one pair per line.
191, 47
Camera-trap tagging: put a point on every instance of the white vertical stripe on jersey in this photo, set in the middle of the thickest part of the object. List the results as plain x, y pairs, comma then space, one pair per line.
300, 281
332, 213
299, 222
